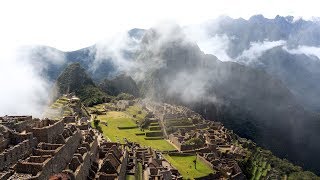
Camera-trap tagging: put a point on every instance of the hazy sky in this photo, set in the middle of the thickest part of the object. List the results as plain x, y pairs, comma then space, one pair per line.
73, 24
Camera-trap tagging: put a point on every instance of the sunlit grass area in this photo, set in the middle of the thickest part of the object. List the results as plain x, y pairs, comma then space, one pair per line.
115, 119
137, 112
185, 166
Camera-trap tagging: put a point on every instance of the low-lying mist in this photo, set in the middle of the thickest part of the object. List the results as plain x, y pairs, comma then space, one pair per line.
24, 88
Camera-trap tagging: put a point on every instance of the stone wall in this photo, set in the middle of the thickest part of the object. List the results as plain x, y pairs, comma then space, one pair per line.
16, 138
204, 160
62, 157
13, 154
83, 170
3, 143
84, 126
56, 163
6, 174
181, 146
123, 169
69, 119
48, 133
18, 123
175, 141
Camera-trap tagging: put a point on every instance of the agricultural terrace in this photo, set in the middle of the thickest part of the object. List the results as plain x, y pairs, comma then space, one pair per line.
58, 109
118, 126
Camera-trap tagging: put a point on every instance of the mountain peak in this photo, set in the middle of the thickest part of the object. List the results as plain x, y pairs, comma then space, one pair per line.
75, 79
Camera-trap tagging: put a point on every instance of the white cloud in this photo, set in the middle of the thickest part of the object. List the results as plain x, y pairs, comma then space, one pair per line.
216, 45
112, 49
191, 88
74, 24
307, 50
258, 48
23, 90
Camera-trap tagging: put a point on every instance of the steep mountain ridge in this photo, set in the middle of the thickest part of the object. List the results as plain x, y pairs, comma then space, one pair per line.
74, 79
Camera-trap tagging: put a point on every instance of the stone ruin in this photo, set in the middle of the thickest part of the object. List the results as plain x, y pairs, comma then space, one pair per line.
180, 139
63, 149
153, 164
217, 150
166, 112
17, 123
69, 148
47, 147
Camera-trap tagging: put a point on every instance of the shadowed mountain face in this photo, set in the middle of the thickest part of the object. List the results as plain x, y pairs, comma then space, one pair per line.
249, 101
299, 72
120, 84
290, 61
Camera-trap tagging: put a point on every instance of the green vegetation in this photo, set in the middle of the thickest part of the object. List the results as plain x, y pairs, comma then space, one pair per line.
263, 163
97, 109
130, 177
260, 167
185, 166
124, 96
120, 84
154, 128
137, 112
92, 95
96, 124
306, 175
154, 134
117, 119
75, 79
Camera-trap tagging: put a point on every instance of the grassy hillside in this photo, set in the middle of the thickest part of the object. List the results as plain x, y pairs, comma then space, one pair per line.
262, 164
185, 165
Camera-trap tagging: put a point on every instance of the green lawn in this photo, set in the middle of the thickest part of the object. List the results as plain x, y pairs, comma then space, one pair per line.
130, 177
185, 166
133, 110
117, 119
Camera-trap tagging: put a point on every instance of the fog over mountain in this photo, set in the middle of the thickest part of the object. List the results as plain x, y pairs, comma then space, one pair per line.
295, 62
258, 76
26, 78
